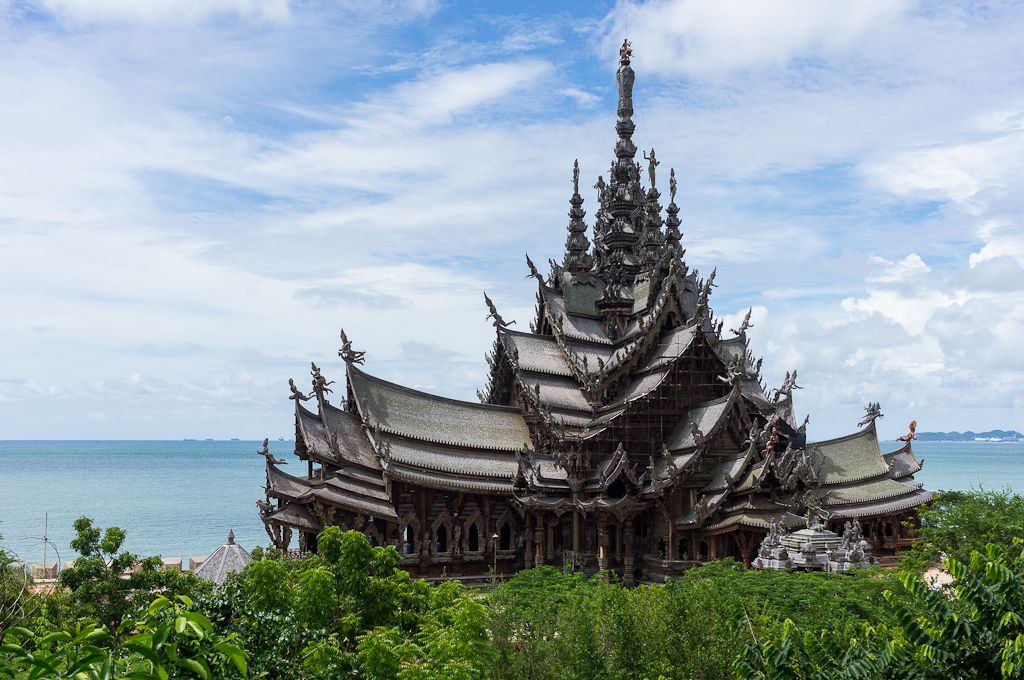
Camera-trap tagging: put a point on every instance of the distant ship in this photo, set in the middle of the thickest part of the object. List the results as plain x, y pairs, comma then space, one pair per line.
188, 439
235, 439
209, 439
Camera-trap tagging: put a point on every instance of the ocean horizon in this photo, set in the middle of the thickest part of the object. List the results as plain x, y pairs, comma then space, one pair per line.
180, 498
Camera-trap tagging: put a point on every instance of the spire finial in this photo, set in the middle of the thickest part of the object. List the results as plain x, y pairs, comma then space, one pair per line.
625, 52
577, 258
231, 536
672, 184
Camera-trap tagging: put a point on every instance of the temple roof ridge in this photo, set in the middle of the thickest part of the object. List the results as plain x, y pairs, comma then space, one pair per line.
430, 395
863, 432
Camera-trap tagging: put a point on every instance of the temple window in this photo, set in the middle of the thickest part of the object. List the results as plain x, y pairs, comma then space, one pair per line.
442, 539
407, 540
473, 540
505, 537
616, 489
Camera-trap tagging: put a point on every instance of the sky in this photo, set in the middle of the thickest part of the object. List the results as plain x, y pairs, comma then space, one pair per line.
196, 195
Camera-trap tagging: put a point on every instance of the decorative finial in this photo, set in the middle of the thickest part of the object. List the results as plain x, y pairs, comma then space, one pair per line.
296, 394
745, 324
911, 433
652, 164
533, 269
672, 184
576, 176
872, 412
349, 355
493, 314
320, 384
265, 452
231, 536
625, 52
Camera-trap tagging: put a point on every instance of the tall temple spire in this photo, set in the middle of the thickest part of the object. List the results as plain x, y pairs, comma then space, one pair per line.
577, 258
621, 213
624, 126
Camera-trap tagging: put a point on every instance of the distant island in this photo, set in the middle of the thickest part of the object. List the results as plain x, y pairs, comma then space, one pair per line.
990, 436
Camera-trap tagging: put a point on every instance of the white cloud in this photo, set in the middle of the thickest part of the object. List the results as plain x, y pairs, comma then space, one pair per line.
710, 38
165, 11
910, 267
183, 229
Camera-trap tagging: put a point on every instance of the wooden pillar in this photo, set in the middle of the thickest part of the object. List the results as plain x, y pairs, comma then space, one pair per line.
627, 560
309, 461
602, 542
618, 543
528, 547
743, 544
551, 539
538, 539
671, 550
713, 547
576, 533
424, 531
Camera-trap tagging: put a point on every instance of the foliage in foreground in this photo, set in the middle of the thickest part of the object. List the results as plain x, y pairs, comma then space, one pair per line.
351, 611
170, 640
958, 523
97, 583
975, 630
547, 624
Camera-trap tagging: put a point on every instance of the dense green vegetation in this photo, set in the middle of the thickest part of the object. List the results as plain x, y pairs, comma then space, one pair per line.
352, 612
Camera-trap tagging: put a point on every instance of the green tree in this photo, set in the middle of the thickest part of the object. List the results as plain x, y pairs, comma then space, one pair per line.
958, 523
106, 581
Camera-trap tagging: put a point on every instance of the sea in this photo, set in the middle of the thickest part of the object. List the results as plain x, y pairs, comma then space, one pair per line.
180, 498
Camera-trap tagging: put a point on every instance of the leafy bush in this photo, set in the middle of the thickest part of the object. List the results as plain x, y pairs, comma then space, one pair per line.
170, 640
973, 630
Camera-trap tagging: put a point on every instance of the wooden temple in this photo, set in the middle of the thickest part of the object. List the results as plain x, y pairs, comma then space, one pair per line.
623, 432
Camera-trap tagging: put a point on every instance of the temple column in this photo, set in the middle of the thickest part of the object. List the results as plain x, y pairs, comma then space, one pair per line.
602, 542
672, 550
538, 540
618, 543
424, 532
713, 547
576, 533
528, 549
551, 540
627, 561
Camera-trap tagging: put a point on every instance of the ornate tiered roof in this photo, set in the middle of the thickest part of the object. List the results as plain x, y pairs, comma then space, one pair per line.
625, 397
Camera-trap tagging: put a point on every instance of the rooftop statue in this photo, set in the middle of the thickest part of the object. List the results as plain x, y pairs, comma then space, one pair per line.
652, 164
745, 325
788, 385
296, 394
265, 452
348, 354
493, 314
321, 385
872, 412
533, 270
911, 432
